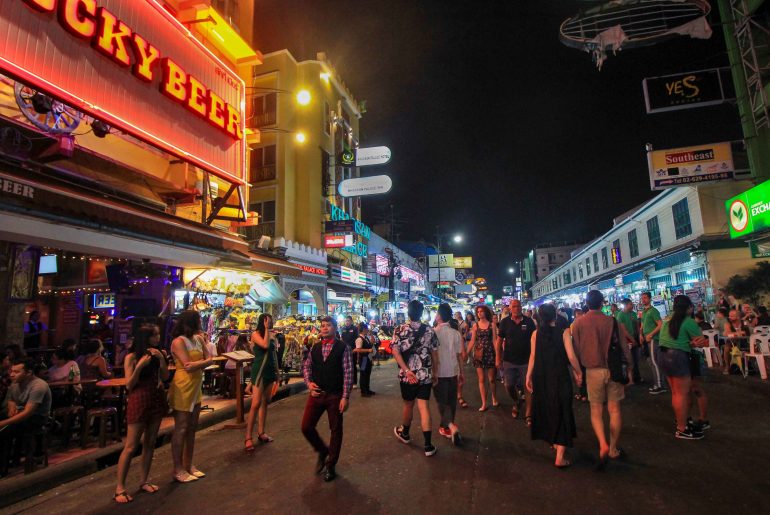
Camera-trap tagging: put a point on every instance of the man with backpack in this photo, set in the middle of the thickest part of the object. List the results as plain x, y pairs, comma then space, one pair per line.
592, 334
415, 350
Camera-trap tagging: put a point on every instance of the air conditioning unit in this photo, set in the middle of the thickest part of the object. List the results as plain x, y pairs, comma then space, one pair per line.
264, 242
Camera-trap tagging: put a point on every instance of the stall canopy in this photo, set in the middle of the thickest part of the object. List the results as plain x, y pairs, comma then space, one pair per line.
269, 292
633, 277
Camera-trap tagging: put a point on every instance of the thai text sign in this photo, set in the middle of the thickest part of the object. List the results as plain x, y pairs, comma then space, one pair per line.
749, 212
690, 165
463, 262
135, 67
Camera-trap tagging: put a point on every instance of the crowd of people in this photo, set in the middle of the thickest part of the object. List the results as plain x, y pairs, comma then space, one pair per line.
544, 359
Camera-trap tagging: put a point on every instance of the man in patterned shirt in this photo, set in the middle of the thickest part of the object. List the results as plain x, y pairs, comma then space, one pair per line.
415, 349
328, 373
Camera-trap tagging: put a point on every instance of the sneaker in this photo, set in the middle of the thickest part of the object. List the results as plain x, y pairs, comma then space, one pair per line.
445, 432
704, 424
656, 390
430, 450
698, 426
688, 434
404, 437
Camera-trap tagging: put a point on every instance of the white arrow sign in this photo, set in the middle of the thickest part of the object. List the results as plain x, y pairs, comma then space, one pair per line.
365, 186
372, 156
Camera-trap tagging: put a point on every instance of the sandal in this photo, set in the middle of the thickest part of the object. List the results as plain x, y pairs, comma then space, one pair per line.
196, 473
248, 446
462, 402
124, 495
566, 464
149, 488
483, 408
515, 412
528, 420
263, 438
495, 404
184, 477
578, 397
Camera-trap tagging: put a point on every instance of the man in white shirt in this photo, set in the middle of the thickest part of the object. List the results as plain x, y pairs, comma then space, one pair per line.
450, 344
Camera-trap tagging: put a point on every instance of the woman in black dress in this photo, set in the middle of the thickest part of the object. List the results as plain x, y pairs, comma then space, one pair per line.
548, 381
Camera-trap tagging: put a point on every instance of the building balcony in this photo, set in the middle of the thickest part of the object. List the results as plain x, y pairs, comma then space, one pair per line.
264, 119
262, 174
255, 232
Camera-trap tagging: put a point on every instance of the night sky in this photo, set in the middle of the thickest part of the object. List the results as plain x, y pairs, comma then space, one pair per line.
498, 131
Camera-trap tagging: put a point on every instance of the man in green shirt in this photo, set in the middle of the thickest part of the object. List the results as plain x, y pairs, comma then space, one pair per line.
630, 322
651, 324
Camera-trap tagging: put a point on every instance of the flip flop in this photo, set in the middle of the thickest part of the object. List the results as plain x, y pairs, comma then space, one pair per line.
124, 495
483, 408
566, 464
183, 477
621, 454
149, 488
264, 438
248, 447
197, 473
462, 402
528, 420
515, 412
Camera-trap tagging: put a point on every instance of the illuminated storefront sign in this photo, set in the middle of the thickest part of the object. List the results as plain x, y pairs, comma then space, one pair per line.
349, 275
311, 269
382, 266
332, 241
220, 280
361, 229
133, 66
749, 212
104, 300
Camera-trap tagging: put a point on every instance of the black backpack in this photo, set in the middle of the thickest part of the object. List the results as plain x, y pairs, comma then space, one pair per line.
616, 358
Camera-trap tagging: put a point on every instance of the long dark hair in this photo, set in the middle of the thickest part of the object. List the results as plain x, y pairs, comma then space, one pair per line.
682, 305
262, 324
187, 324
142, 341
486, 310
546, 314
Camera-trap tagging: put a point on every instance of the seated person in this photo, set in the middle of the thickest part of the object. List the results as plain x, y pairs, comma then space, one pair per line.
700, 319
60, 370
5, 380
28, 402
720, 320
763, 317
91, 362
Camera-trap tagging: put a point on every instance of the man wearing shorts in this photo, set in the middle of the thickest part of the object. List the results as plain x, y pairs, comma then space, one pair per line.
415, 350
514, 336
591, 335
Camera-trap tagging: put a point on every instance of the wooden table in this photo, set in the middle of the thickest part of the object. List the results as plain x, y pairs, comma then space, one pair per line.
119, 382
70, 385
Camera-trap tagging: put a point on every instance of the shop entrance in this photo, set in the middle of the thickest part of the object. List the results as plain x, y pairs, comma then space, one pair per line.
305, 302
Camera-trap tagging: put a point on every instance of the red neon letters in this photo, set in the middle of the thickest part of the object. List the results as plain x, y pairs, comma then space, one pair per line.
116, 40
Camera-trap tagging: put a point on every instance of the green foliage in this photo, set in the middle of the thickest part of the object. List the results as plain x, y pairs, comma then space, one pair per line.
752, 285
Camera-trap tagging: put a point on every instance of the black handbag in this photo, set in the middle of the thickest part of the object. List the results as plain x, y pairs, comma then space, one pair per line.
616, 358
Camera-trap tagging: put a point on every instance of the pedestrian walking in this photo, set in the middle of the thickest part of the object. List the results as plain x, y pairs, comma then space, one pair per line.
591, 337
185, 393
485, 358
549, 383
465, 326
349, 334
146, 369
582, 394
514, 343
449, 372
651, 325
328, 374
264, 374
678, 338
363, 352
415, 350
627, 317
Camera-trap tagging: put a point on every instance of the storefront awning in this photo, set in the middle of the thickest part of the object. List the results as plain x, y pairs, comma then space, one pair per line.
633, 277
269, 292
346, 288
607, 284
678, 258
273, 264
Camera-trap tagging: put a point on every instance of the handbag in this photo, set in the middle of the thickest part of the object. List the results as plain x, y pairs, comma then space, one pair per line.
616, 359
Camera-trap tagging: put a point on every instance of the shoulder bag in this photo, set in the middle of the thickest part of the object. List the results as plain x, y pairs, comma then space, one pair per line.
616, 358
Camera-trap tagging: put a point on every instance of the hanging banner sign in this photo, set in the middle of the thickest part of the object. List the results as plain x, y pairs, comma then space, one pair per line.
687, 90
367, 156
463, 262
362, 186
382, 266
135, 67
441, 260
690, 165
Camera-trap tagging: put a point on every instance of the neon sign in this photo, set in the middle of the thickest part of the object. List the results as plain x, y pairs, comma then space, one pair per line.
105, 58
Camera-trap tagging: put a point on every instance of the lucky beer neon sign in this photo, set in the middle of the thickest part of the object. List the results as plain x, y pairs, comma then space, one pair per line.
113, 38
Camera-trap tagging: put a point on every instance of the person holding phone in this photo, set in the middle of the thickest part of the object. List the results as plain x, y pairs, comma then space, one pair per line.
328, 374
264, 373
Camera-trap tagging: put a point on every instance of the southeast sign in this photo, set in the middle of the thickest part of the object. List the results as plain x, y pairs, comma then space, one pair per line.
685, 166
749, 212
363, 186
367, 156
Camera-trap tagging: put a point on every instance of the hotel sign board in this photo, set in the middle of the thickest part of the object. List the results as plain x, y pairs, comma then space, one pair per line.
749, 212
688, 166
132, 65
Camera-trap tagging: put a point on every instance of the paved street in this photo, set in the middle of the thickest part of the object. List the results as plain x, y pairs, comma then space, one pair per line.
499, 470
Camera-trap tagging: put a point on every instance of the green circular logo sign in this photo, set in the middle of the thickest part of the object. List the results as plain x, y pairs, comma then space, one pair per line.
739, 215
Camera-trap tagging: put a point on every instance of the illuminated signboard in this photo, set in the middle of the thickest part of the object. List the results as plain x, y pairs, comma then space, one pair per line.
332, 241
361, 229
132, 65
104, 300
349, 275
312, 269
749, 212
381, 264
617, 258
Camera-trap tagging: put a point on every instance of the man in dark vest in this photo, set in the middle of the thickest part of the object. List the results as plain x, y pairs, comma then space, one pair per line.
328, 373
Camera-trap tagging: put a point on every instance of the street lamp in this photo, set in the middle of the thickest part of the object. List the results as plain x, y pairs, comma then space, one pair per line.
303, 97
510, 270
458, 238
300, 137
